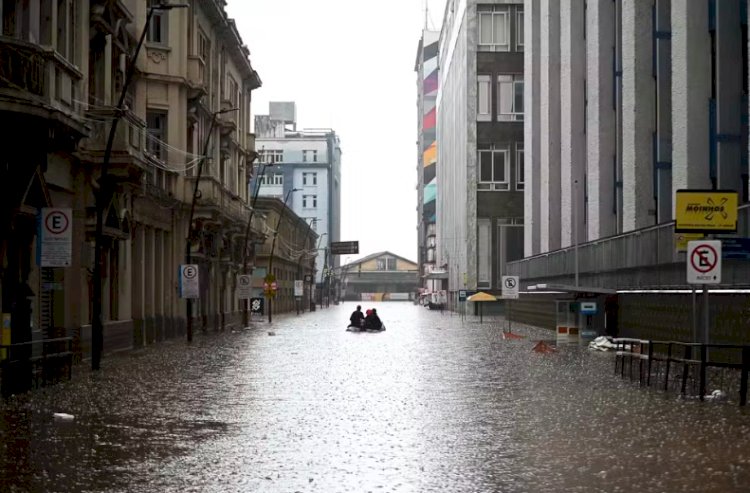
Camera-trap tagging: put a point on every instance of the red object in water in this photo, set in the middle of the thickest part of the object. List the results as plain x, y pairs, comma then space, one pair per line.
511, 335
544, 348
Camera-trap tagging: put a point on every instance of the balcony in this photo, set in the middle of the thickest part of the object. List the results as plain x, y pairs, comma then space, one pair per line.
250, 143
127, 159
215, 202
228, 121
39, 82
196, 76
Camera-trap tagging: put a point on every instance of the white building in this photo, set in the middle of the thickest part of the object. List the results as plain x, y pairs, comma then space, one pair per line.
629, 101
306, 160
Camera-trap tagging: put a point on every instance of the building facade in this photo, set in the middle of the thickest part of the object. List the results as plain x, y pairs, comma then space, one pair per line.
63, 67
306, 160
629, 102
480, 112
381, 276
427, 71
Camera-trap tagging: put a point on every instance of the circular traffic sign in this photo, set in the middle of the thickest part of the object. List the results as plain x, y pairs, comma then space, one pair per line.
190, 272
56, 222
510, 283
274, 285
704, 258
244, 280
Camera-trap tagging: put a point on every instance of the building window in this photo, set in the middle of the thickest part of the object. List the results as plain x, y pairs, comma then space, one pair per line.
157, 29
233, 94
484, 98
519, 28
274, 179
204, 47
66, 29
484, 253
309, 179
386, 264
510, 98
271, 156
520, 180
493, 169
157, 133
509, 244
494, 28
309, 201
310, 156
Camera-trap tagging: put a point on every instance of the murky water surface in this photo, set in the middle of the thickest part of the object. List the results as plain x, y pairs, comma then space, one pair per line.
434, 404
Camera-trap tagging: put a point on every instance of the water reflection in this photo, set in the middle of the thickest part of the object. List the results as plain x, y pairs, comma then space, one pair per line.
432, 404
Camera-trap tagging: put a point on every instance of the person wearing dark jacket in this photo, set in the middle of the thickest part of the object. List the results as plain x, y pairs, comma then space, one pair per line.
372, 321
357, 317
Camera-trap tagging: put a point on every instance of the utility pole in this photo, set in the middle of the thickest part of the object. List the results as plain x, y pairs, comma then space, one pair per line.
104, 195
190, 232
246, 255
273, 247
302, 255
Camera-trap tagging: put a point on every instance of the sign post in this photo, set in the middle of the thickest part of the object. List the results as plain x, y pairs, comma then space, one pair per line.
189, 281
510, 292
704, 267
56, 237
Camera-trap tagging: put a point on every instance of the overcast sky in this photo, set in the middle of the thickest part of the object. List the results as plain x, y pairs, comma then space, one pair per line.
349, 66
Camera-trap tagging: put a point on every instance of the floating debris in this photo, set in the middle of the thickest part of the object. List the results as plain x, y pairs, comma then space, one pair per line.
64, 416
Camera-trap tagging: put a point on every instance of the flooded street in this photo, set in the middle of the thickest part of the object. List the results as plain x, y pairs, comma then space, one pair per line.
433, 404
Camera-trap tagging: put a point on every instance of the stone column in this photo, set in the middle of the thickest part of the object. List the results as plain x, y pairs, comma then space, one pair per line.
728, 95
638, 113
601, 122
550, 125
663, 66
532, 191
572, 121
691, 90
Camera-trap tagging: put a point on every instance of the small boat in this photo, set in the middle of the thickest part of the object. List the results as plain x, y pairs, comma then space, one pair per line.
354, 328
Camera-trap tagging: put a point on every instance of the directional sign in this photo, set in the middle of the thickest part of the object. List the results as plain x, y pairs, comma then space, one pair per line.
56, 237
704, 262
344, 247
256, 306
244, 287
735, 248
510, 287
299, 287
189, 281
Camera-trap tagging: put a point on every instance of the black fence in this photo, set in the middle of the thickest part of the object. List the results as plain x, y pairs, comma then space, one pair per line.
680, 363
34, 364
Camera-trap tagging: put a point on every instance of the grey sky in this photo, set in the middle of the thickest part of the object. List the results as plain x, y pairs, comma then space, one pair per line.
349, 65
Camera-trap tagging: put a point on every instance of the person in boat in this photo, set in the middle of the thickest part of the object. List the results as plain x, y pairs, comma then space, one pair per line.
357, 317
372, 321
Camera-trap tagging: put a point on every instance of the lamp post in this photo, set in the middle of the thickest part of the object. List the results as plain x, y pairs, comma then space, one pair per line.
312, 291
105, 193
313, 220
189, 236
246, 255
273, 247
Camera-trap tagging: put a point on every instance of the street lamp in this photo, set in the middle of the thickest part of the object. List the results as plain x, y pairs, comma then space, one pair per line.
246, 255
106, 191
189, 236
273, 247
313, 220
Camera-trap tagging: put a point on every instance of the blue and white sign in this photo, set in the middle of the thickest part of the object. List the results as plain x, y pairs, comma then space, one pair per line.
189, 281
588, 308
462, 295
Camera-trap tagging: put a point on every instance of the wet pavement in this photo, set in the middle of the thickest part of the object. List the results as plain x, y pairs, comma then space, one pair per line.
433, 404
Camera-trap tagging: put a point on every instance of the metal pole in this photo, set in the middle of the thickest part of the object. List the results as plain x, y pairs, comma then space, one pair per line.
706, 315
575, 228
101, 198
246, 253
273, 247
695, 315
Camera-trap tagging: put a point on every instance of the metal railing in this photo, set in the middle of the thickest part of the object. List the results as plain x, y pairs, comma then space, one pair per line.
43, 362
696, 356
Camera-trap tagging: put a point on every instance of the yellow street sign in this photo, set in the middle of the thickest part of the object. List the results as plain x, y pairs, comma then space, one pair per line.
707, 211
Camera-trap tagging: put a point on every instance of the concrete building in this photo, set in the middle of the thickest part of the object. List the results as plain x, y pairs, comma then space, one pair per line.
427, 71
307, 160
381, 276
630, 101
480, 113
61, 70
